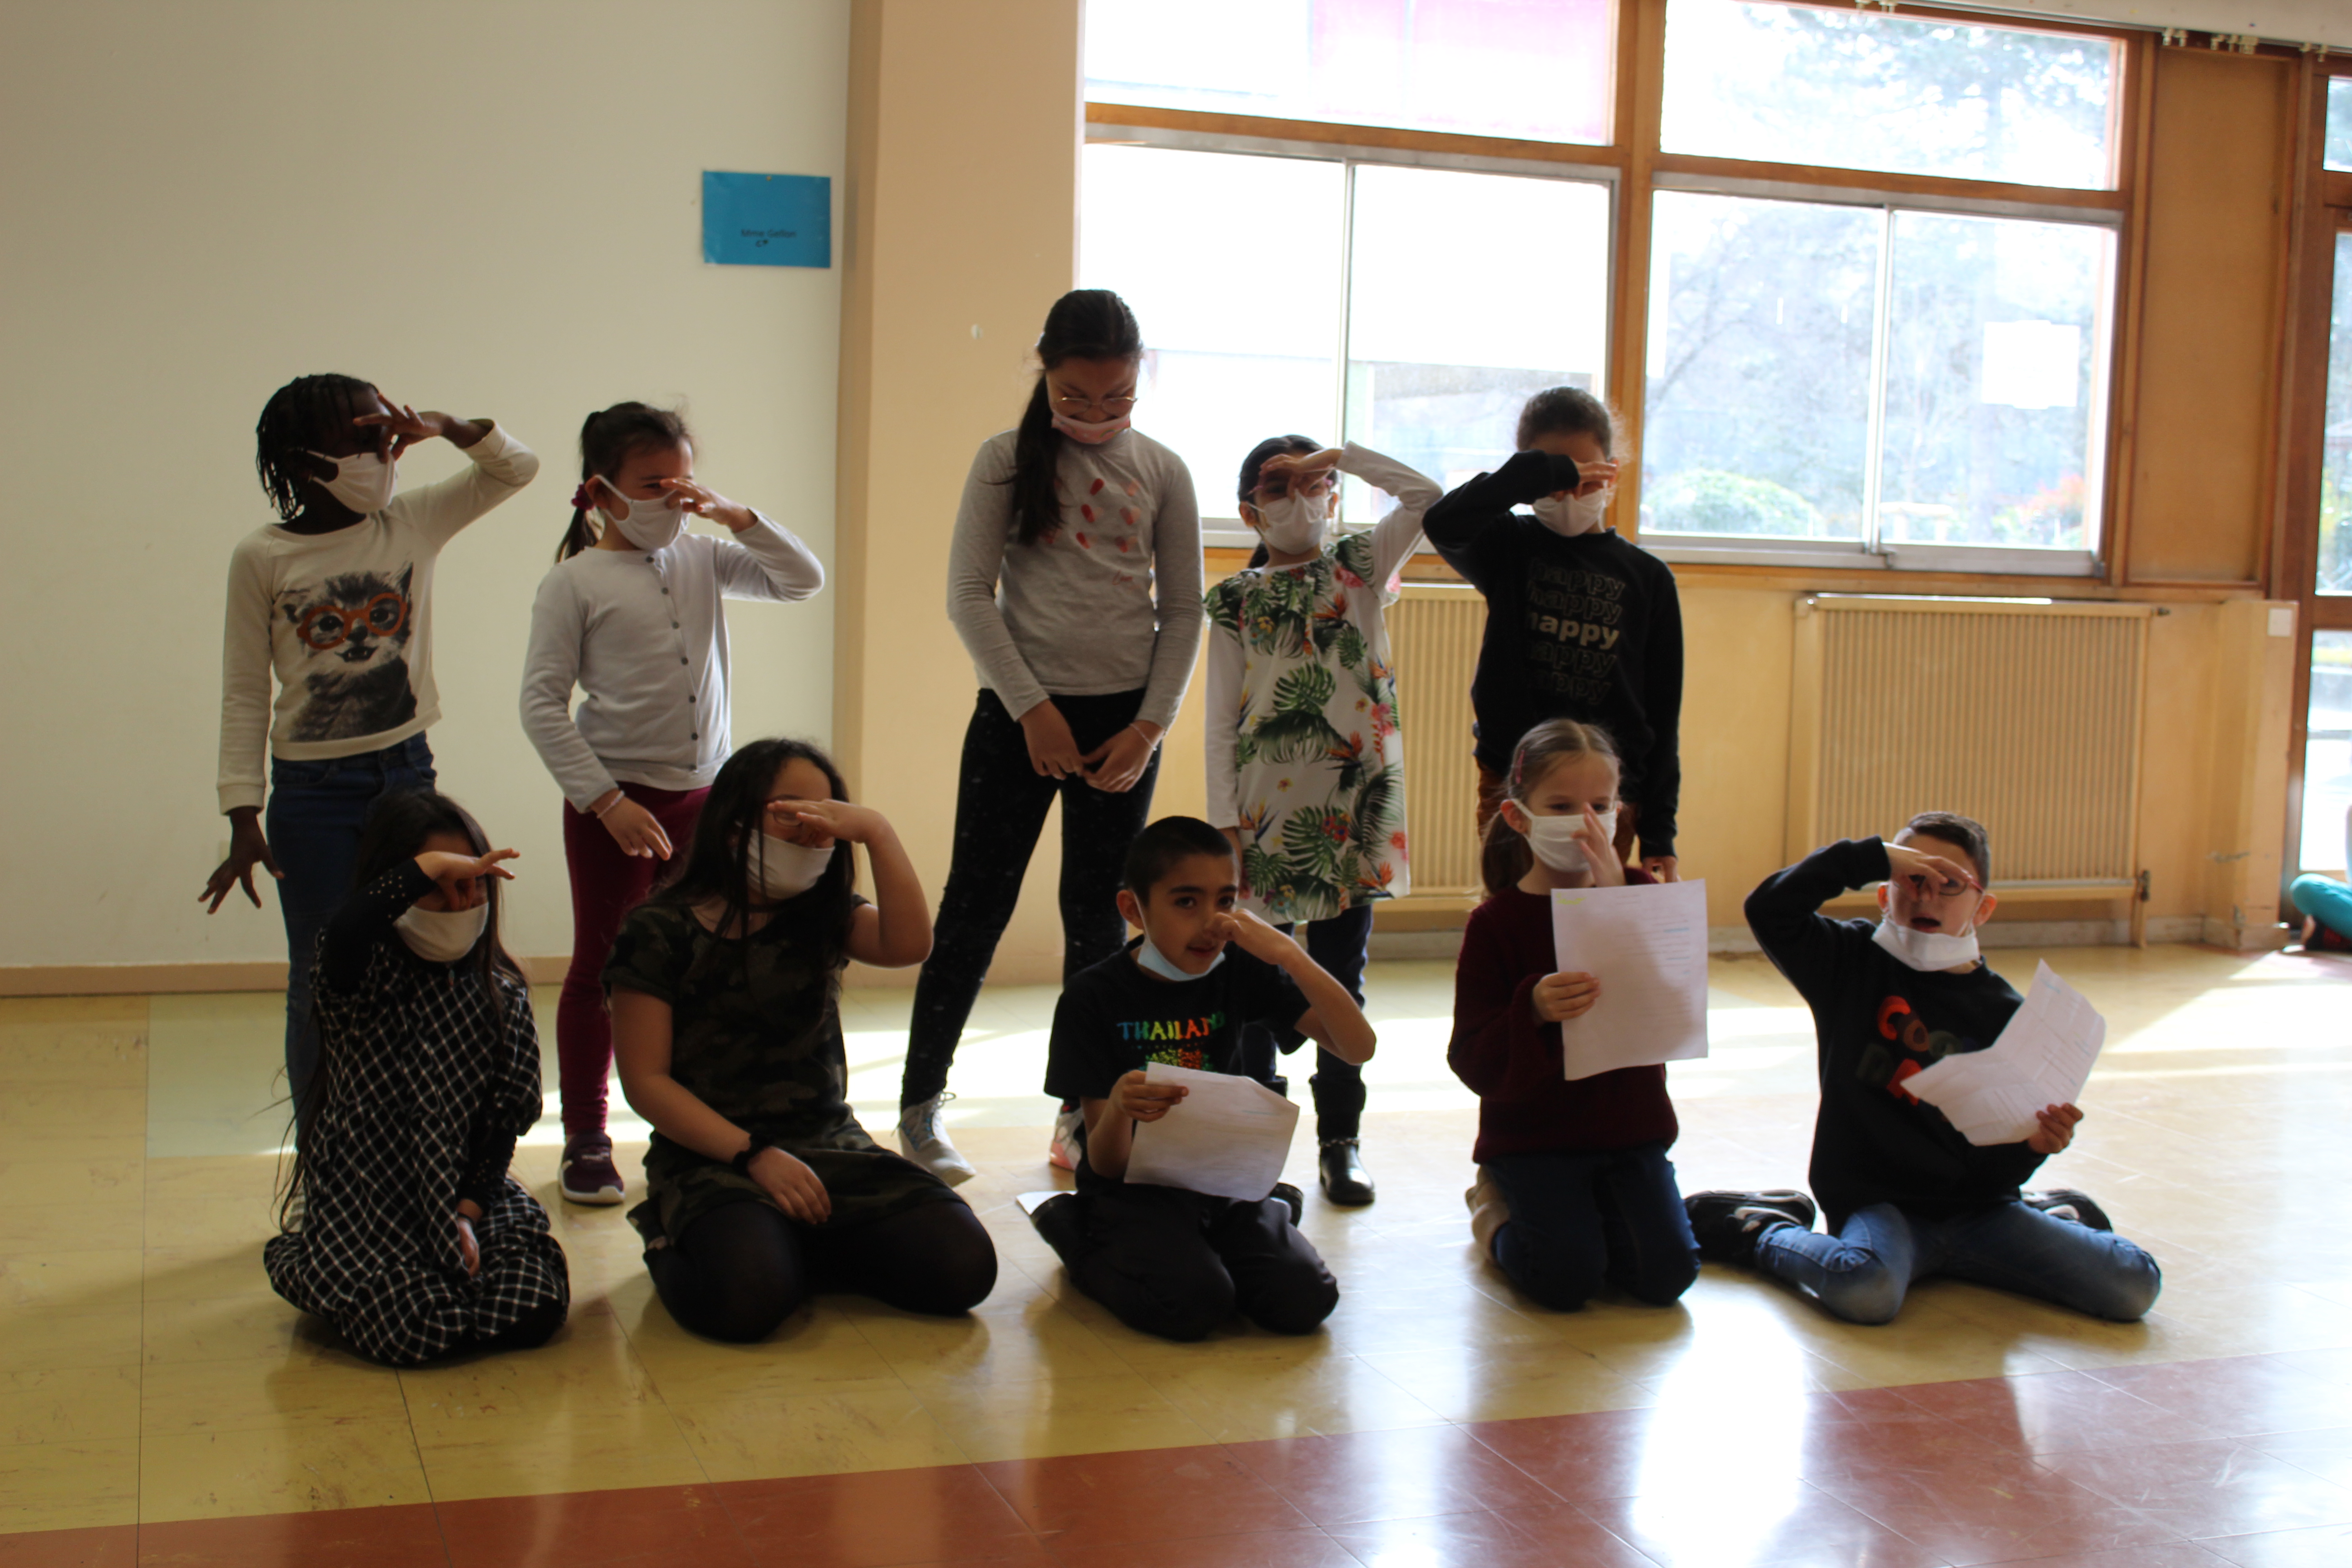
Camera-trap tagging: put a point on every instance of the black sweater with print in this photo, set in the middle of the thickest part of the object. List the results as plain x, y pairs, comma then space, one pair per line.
1586, 627
1878, 1021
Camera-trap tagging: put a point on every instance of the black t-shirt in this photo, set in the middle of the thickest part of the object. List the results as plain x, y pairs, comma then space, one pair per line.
1114, 1019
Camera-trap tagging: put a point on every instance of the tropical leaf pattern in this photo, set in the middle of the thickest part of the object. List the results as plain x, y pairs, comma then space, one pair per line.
1317, 740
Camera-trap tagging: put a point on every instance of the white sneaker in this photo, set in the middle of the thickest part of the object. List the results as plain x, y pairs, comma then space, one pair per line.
923, 1138
1068, 1127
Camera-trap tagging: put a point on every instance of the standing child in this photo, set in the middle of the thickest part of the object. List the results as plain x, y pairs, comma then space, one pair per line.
1168, 1260
762, 1186
1574, 1186
1305, 760
633, 615
1580, 624
1075, 583
403, 1227
337, 597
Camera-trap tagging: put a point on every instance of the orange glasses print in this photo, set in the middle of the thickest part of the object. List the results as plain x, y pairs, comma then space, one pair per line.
326, 626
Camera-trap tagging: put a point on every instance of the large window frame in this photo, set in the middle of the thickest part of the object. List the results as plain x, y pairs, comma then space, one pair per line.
1635, 168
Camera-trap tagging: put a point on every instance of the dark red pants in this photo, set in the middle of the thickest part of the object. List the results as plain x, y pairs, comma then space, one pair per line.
605, 884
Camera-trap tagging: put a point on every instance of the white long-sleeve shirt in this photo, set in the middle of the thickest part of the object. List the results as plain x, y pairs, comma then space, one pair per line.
1109, 601
345, 620
644, 636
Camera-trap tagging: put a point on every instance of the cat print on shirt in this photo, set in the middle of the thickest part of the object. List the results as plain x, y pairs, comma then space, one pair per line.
352, 632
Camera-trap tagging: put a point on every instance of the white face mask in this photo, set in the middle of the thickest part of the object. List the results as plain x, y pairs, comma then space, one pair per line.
781, 870
1092, 432
1570, 515
1553, 838
648, 524
1295, 524
1926, 951
362, 481
1155, 962
443, 936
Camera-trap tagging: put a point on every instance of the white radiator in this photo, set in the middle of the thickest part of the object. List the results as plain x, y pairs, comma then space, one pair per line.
1433, 633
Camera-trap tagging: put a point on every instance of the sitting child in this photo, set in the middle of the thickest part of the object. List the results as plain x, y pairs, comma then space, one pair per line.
1905, 1195
2325, 905
1168, 1260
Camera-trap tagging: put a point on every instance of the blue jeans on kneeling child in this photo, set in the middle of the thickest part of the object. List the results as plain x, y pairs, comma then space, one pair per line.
1862, 1272
1577, 1220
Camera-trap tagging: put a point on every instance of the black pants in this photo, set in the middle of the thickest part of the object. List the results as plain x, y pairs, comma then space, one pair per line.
1340, 946
740, 1270
1177, 1263
1001, 805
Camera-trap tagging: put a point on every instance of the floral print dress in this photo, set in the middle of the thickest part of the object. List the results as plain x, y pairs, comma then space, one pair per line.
1306, 757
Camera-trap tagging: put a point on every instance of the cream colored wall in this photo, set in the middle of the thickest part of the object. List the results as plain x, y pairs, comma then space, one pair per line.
487, 209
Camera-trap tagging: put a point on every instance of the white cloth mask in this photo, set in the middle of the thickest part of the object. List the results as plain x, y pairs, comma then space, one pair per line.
1092, 432
443, 936
1553, 838
781, 869
1295, 524
1155, 962
650, 525
1572, 514
1926, 951
362, 481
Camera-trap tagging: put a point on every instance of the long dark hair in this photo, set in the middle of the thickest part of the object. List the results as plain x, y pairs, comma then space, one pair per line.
714, 869
610, 437
1254, 464
304, 413
1504, 856
1085, 324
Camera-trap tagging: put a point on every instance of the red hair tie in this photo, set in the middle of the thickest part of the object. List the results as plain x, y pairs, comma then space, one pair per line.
581, 500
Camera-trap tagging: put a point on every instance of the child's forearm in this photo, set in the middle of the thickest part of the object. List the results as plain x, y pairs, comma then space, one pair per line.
906, 915
1111, 1139
1348, 1033
678, 1114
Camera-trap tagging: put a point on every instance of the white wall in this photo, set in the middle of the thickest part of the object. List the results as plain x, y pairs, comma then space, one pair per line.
488, 208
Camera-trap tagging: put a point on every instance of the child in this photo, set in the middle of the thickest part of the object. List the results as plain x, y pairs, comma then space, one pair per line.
1580, 624
1075, 583
632, 615
402, 1226
1574, 1186
762, 1186
337, 597
1905, 1195
2325, 905
1167, 1260
1304, 758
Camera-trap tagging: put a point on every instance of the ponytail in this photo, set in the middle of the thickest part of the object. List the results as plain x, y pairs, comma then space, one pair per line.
608, 440
1503, 854
1036, 453
1085, 324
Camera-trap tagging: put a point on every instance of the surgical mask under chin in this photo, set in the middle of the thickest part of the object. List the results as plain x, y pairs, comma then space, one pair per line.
779, 870
362, 481
1553, 838
1926, 951
443, 936
649, 525
1092, 432
1569, 515
1295, 524
1158, 963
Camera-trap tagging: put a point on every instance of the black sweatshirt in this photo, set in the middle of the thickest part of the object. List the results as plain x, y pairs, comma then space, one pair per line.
1585, 627
1877, 1021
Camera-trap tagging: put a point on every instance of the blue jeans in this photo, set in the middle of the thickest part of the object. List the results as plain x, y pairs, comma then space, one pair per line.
1862, 1272
2325, 900
1579, 1219
312, 822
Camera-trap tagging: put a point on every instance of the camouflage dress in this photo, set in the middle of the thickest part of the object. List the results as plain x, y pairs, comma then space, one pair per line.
755, 1035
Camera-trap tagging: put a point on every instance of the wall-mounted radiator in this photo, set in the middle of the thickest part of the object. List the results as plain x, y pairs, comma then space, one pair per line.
2024, 716
1433, 632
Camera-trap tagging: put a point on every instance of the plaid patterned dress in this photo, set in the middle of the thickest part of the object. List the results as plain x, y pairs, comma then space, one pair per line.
432, 1077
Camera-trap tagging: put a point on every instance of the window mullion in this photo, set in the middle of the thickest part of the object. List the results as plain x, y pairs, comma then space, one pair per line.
1347, 307
1881, 338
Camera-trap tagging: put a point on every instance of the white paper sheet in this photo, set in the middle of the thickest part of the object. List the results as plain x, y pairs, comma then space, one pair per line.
2042, 1058
1647, 943
1229, 1137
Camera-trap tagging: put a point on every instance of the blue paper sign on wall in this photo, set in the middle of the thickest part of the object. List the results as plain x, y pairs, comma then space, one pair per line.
767, 220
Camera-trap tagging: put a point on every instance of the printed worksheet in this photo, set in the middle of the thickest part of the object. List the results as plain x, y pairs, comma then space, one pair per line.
1647, 944
1229, 1136
2044, 1057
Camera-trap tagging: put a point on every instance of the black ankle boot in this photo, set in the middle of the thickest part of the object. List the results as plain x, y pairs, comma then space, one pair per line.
1345, 1180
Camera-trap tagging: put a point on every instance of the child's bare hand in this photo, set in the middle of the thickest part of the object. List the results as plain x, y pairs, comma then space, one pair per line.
469, 1248
1591, 477
1600, 851
1559, 997
465, 879
704, 501
1251, 935
2056, 1129
635, 830
1280, 473
1929, 874
403, 427
824, 822
248, 848
1136, 1098
791, 1186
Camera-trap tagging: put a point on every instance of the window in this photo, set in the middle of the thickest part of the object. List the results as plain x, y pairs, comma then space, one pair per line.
1537, 69
2339, 123
2334, 564
1256, 279
2327, 754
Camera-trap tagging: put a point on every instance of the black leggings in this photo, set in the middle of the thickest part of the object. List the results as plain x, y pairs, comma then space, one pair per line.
738, 1271
1001, 805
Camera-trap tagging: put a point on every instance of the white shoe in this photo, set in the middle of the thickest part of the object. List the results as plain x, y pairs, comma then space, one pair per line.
923, 1138
1069, 1127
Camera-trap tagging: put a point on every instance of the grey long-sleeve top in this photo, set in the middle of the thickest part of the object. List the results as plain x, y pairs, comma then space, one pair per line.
1109, 601
644, 636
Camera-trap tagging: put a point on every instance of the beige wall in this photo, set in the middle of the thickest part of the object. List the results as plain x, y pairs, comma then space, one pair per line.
484, 208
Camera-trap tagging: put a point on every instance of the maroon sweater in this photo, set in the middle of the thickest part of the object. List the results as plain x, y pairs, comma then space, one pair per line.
1512, 1062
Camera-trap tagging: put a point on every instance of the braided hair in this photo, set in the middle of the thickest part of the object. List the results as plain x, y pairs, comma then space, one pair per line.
300, 414
1085, 324
610, 437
